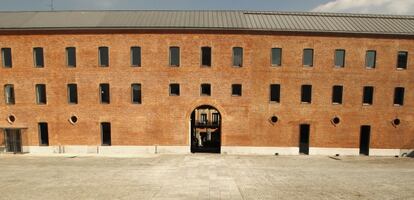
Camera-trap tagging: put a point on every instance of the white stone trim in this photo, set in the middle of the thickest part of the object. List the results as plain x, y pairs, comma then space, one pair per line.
259, 150
106, 150
333, 151
384, 152
41, 149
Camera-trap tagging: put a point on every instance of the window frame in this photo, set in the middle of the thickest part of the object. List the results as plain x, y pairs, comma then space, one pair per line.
234, 57
201, 89
68, 64
303, 96
100, 56
170, 50
341, 94
133, 93
101, 93
278, 94
312, 57
39, 126
9, 94
367, 59
280, 56
343, 58
107, 143
132, 56
3, 57
398, 98
70, 92
40, 95
233, 87
406, 60
372, 88
202, 56
37, 50
171, 87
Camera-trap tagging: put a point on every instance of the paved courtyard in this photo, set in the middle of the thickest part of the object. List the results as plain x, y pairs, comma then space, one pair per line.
205, 176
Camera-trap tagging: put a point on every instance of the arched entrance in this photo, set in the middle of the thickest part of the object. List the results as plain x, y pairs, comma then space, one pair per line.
205, 130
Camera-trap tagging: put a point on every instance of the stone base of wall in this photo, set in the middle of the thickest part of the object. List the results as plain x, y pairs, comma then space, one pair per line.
232, 150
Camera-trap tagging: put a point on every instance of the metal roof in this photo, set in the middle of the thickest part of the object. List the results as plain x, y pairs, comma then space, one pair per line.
210, 20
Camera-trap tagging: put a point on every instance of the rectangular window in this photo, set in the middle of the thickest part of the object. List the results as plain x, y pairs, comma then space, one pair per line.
206, 56
399, 96
106, 133
43, 134
237, 56
38, 57
402, 60
203, 118
275, 93
175, 56
337, 94
368, 95
236, 90
205, 89
174, 89
103, 56
339, 58
276, 56
308, 57
6, 57
370, 59
136, 56
71, 56
136, 93
104, 90
41, 94
306, 94
215, 119
9, 93
72, 93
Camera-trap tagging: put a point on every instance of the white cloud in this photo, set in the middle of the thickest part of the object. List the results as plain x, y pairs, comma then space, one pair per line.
402, 7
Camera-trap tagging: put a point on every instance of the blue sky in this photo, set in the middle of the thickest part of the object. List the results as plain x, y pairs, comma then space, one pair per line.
353, 6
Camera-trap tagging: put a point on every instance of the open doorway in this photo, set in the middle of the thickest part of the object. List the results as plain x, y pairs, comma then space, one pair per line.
364, 139
205, 130
304, 139
13, 140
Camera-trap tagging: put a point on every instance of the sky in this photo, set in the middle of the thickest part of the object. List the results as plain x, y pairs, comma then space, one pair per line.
401, 7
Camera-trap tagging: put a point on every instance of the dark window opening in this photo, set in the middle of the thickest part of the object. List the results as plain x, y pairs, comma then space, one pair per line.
9, 94
71, 56
175, 56
205, 89
236, 89
41, 94
339, 58
215, 119
174, 89
43, 134
308, 57
136, 56
337, 91
106, 133
402, 60
399, 96
104, 90
72, 93
368, 95
136, 93
6, 57
304, 139
275, 93
38, 57
306, 94
203, 118
237, 56
103, 56
206, 56
370, 59
276, 56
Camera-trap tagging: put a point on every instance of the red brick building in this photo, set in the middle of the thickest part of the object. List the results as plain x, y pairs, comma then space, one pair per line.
206, 81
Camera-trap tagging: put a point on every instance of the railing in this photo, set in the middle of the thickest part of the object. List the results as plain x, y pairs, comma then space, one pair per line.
207, 124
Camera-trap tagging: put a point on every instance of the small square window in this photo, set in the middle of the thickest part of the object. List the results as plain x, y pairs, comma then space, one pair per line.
370, 60
205, 89
402, 60
174, 89
236, 90
308, 57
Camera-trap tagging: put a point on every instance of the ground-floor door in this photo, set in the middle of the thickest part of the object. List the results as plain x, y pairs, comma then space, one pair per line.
365, 134
13, 140
304, 138
205, 130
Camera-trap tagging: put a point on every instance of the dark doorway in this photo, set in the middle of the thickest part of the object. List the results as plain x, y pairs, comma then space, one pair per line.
13, 140
205, 130
304, 139
364, 140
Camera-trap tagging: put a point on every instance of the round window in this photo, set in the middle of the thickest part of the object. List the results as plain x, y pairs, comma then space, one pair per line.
11, 118
73, 119
336, 120
274, 119
396, 121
